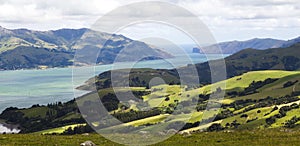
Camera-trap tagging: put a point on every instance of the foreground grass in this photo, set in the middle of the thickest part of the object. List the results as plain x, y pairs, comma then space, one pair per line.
262, 137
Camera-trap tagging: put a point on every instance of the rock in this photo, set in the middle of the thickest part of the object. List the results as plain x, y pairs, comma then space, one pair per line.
88, 143
185, 133
196, 50
143, 132
172, 131
161, 133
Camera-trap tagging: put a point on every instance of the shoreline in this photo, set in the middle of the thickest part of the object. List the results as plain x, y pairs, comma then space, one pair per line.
45, 104
72, 66
8, 128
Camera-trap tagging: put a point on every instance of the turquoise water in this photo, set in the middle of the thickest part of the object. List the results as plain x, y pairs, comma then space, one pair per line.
23, 88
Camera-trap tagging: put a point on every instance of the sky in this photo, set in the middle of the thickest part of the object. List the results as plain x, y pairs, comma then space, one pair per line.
226, 19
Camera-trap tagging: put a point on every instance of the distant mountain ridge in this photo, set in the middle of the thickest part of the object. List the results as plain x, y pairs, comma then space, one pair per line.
256, 43
64, 42
242, 62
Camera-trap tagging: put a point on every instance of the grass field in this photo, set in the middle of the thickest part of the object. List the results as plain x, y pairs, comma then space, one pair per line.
244, 80
150, 120
58, 130
289, 115
39, 111
161, 92
252, 114
269, 137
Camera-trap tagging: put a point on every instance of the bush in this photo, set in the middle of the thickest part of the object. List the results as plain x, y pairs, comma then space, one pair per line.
215, 127
292, 122
244, 116
289, 83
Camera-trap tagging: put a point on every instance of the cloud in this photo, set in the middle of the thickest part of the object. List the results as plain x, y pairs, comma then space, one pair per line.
42, 14
262, 3
247, 17
230, 15
236, 9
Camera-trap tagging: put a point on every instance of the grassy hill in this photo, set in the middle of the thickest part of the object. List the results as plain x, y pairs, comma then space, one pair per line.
249, 110
137, 78
259, 99
42, 117
253, 60
31, 57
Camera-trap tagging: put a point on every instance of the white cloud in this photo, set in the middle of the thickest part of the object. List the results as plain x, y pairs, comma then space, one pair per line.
249, 18
52, 14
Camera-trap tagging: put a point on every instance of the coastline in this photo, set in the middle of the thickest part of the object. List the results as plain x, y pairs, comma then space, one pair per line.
8, 128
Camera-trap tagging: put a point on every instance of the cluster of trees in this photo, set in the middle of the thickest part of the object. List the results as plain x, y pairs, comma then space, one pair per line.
137, 82
292, 122
289, 83
215, 127
190, 125
290, 62
52, 117
238, 104
282, 112
136, 115
268, 101
140, 94
252, 88
78, 130
59, 109
224, 114
233, 124
203, 97
110, 101
12, 115
295, 93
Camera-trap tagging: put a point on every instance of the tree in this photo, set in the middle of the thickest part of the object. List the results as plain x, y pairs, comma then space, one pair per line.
167, 99
215, 127
244, 116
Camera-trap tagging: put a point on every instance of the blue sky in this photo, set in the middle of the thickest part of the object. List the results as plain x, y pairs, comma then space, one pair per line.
227, 19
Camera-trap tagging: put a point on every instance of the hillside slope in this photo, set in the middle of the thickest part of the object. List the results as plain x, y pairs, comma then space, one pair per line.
259, 44
31, 57
260, 99
65, 42
253, 60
